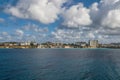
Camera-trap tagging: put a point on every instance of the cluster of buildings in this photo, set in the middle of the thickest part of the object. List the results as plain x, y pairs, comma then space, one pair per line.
90, 44
18, 45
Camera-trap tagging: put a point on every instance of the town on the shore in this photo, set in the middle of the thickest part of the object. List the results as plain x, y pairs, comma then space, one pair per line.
89, 44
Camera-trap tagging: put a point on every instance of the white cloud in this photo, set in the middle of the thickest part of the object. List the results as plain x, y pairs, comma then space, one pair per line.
112, 19
30, 32
45, 11
109, 12
105, 16
94, 7
91, 36
19, 33
99, 21
35, 28
64, 35
94, 12
109, 2
77, 16
73, 35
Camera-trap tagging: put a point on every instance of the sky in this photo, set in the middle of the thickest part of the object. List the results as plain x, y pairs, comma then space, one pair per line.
60, 20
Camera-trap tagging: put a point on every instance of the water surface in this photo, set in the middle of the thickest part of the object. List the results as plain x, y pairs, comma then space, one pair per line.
59, 64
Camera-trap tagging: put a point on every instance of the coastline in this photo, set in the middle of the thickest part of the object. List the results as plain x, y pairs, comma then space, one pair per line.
62, 48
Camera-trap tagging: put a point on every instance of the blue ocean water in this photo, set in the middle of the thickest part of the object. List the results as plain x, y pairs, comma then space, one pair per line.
59, 64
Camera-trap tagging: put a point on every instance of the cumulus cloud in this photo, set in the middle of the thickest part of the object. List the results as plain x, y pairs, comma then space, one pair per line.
45, 11
76, 16
98, 21
105, 16
112, 19
102, 20
109, 12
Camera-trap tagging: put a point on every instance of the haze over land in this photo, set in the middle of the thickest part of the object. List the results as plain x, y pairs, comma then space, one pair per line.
60, 20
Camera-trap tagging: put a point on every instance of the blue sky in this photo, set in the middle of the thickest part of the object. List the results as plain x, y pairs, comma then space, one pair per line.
59, 20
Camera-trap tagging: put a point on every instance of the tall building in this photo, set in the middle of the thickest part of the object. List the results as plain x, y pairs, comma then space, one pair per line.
93, 43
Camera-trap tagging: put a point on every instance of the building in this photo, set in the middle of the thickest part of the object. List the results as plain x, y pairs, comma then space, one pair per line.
93, 43
81, 44
67, 46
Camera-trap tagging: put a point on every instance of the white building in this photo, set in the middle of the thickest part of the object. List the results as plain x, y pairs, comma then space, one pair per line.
25, 44
93, 43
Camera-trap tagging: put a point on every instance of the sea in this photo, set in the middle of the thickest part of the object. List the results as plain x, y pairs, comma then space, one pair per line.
59, 64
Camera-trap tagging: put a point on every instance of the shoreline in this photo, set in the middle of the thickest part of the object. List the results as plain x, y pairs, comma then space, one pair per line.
60, 48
